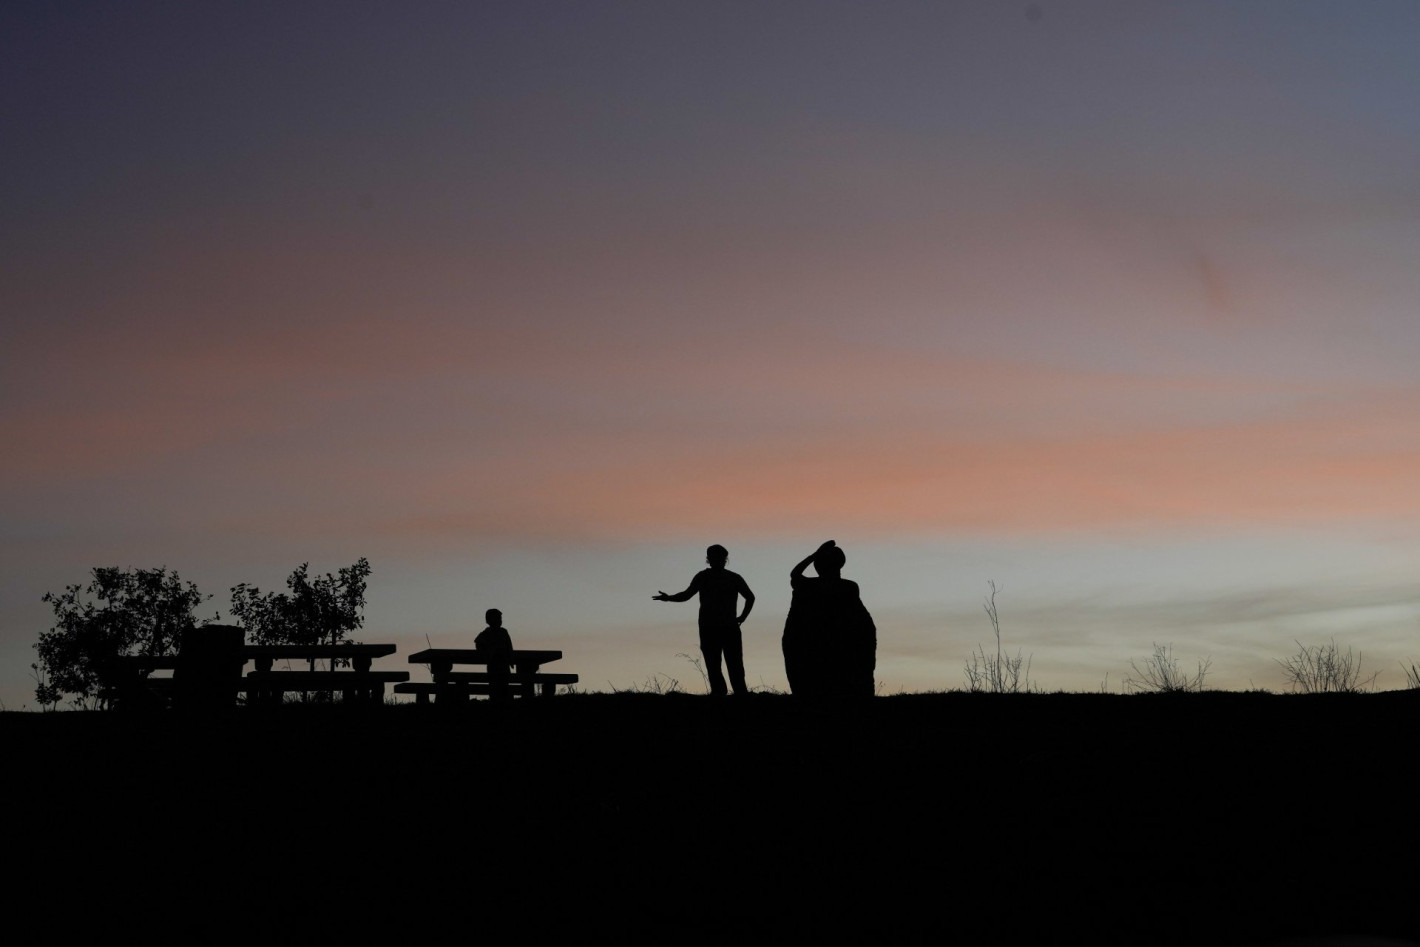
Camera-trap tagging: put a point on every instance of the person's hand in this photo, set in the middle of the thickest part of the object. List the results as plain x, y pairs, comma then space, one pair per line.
740, 620
660, 597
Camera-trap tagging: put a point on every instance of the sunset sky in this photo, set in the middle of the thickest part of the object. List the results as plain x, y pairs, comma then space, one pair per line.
1112, 303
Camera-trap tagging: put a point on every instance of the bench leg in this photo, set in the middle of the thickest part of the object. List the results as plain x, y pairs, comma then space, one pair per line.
450, 696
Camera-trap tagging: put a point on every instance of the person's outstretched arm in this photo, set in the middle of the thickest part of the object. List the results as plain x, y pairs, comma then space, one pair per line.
799, 569
749, 600
679, 596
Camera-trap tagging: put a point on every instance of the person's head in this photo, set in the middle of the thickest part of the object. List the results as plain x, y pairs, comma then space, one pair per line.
829, 561
717, 555
494, 618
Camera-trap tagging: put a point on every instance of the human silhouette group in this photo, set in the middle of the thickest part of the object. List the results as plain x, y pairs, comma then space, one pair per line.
830, 641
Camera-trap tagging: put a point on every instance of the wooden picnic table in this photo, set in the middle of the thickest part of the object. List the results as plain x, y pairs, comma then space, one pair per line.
442, 660
359, 655
516, 671
359, 685
214, 671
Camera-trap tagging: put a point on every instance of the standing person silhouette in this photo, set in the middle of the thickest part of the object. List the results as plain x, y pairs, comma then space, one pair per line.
830, 641
719, 590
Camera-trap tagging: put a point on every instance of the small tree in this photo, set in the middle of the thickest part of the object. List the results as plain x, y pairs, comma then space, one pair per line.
322, 610
1161, 674
1324, 669
1000, 673
119, 613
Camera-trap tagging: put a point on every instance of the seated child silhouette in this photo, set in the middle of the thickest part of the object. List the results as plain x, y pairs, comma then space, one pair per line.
496, 641
495, 638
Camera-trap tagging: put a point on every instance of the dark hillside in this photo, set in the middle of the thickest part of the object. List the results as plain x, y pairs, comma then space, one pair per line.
1212, 818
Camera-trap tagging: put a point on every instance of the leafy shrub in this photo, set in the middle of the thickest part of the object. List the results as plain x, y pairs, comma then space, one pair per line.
121, 612
322, 610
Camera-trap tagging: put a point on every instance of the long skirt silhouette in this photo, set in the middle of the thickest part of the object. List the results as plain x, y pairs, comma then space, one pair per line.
830, 641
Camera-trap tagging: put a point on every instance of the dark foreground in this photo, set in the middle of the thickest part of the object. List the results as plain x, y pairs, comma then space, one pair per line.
1201, 819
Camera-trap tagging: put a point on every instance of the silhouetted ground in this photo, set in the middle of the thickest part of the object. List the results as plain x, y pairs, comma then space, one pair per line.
1197, 819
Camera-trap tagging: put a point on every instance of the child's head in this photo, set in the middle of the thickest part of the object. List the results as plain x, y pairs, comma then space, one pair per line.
494, 618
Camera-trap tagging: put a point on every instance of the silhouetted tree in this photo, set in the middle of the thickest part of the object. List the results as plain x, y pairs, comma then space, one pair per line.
119, 613
315, 611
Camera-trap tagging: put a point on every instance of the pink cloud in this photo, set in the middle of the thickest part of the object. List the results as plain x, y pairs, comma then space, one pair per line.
1268, 472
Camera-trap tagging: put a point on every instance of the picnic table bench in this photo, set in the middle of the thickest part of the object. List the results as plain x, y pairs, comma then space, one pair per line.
512, 673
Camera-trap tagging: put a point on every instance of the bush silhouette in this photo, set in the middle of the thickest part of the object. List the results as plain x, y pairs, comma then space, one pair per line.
1001, 673
1324, 669
1161, 674
314, 611
121, 612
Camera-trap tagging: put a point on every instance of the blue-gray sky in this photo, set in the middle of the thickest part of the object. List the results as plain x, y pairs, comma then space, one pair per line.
1113, 303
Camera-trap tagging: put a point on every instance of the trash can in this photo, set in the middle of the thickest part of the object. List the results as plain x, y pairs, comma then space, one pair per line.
209, 668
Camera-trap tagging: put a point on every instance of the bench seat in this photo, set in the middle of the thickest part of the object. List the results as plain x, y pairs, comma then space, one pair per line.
458, 686
356, 686
423, 690
323, 680
485, 677
139, 693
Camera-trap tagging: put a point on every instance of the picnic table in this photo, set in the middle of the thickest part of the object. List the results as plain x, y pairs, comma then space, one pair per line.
207, 671
508, 673
359, 685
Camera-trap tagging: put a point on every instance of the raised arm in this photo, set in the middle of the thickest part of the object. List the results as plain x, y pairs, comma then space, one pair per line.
799, 569
685, 596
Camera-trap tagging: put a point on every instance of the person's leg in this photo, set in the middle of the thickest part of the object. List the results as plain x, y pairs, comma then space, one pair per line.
710, 647
734, 659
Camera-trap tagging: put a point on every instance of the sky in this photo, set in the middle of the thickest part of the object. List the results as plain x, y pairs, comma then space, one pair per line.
1113, 304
